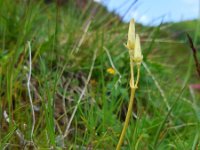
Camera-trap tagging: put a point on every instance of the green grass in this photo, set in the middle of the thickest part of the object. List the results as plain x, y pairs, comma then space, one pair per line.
62, 58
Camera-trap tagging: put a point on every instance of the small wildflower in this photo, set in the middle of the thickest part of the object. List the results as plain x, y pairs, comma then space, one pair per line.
136, 57
111, 71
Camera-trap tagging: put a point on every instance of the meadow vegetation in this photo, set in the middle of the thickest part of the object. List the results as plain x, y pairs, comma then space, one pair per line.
79, 85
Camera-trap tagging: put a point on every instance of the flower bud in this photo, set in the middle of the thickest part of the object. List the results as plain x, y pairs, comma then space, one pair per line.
131, 35
137, 51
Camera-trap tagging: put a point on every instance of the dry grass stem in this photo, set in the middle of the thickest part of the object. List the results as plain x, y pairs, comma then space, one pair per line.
81, 96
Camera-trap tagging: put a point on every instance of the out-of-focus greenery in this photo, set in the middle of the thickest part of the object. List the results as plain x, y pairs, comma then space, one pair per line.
64, 40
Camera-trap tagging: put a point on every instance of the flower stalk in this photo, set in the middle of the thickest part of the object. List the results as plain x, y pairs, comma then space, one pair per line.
135, 53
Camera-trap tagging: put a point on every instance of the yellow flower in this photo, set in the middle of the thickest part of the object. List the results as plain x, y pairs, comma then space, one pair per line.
131, 35
111, 71
137, 52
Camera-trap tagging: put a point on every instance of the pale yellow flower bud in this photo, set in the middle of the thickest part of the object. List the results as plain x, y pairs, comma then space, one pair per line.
137, 51
131, 35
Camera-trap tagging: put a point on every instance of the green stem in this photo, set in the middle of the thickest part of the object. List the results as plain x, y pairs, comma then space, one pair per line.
130, 106
131, 101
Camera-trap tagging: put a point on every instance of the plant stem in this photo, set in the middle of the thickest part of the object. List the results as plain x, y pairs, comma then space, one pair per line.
130, 106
